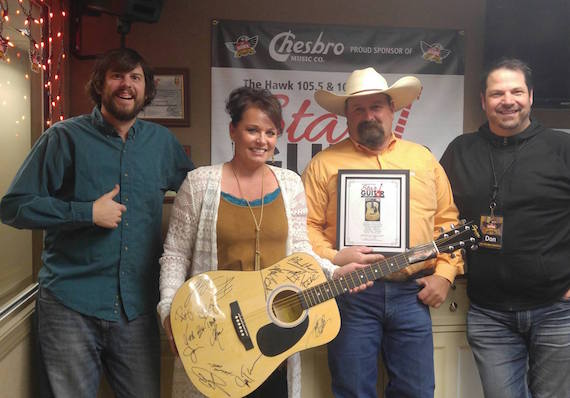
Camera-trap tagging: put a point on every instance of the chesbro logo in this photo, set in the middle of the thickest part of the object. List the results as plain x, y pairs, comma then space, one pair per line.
283, 46
243, 46
433, 52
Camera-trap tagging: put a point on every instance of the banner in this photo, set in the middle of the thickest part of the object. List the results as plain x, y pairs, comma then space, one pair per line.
293, 60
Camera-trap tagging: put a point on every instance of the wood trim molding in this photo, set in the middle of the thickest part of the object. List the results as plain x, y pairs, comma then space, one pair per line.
16, 329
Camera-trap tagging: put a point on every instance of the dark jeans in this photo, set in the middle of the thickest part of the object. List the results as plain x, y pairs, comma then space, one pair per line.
75, 348
522, 354
385, 319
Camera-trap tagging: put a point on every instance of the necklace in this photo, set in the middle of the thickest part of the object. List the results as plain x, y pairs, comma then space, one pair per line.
257, 224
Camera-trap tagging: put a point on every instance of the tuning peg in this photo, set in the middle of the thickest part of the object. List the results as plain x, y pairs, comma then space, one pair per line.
452, 255
451, 248
463, 221
441, 229
452, 226
446, 235
461, 243
457, 232
474, 247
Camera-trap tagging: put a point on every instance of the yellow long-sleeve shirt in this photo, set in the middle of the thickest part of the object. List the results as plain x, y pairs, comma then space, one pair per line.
431, 199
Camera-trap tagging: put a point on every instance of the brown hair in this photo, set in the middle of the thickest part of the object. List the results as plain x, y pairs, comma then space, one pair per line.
242, 98
119, 60
510, 64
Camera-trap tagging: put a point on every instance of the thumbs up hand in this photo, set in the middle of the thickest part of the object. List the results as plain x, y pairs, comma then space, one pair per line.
106, 212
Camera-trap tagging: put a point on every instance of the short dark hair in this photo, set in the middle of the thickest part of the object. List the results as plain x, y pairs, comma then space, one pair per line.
119, 60
242, 98
511, 64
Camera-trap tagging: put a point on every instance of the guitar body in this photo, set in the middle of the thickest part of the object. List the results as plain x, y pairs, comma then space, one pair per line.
234, 328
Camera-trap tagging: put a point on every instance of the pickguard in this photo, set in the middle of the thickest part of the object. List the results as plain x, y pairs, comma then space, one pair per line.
273, 340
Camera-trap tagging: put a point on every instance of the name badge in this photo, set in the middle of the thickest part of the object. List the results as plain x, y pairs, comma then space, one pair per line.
491, 232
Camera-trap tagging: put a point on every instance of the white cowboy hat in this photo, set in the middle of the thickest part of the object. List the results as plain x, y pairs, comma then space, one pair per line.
368, 81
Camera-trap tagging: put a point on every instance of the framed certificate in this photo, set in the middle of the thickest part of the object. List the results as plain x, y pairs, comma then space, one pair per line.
170, 106
373, 210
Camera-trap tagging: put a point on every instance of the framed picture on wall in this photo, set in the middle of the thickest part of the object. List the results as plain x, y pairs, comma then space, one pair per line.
170, 106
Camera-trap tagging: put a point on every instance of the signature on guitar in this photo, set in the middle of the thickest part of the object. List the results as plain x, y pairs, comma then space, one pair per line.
235, 328
300, 274
209, 324
188, 350
221, 285
320, 324
210, 380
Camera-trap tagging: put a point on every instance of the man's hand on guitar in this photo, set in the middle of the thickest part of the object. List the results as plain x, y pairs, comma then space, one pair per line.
341, 271
168, 330
356, 254
434, 290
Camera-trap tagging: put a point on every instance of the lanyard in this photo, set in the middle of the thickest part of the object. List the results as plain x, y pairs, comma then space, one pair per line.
497, 180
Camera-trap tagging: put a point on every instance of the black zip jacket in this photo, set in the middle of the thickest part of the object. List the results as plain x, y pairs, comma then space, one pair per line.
532, 269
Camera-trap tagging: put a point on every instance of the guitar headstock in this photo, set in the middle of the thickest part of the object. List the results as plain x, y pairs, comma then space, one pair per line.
463, 236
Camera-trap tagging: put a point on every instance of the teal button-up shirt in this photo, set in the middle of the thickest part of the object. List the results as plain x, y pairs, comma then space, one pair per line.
90, 269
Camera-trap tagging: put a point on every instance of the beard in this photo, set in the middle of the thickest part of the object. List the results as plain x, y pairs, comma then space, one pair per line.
121, 113
371, 134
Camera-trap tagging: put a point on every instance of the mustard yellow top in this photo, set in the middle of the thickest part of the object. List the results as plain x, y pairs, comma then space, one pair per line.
236, 232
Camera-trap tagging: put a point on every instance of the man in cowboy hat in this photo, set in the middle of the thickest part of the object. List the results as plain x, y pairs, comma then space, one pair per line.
391, 318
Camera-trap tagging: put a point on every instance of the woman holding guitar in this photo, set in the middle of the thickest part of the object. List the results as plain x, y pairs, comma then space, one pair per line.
242, 215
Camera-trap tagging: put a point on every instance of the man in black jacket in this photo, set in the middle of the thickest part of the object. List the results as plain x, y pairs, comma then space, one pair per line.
513, 176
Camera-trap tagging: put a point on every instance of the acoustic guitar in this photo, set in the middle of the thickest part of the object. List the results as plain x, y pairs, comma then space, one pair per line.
234, 328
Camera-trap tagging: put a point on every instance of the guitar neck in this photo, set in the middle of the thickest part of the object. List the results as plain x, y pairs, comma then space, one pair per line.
333, 288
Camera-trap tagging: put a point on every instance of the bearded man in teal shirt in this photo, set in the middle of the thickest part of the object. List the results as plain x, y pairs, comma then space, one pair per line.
95, 183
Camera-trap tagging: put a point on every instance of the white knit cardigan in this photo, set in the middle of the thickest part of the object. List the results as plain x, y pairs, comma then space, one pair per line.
190, 247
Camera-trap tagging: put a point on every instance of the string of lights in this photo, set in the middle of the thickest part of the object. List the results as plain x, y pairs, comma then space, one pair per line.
4, 41
43, 25
53, 64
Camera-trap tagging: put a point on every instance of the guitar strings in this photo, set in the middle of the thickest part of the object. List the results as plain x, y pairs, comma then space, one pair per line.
293, 300
354, 275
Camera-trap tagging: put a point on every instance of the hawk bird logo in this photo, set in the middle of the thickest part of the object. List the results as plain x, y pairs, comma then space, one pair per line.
433, 52
243, 46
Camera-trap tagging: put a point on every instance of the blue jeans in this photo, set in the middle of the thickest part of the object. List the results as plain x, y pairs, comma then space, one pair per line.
522, 354
75, 348
385, 319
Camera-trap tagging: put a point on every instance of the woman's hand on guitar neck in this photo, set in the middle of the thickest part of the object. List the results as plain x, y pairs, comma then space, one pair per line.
168, 330
345, 269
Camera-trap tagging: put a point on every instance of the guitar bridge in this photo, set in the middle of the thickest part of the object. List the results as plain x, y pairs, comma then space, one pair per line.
240, 326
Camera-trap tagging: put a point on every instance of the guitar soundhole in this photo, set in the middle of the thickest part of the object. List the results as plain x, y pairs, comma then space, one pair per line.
286, 309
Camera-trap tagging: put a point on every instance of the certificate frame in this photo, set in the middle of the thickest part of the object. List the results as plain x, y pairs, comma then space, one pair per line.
171, 105
374, 210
